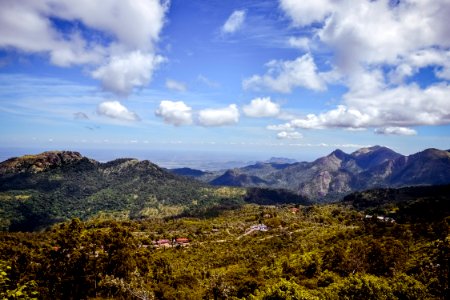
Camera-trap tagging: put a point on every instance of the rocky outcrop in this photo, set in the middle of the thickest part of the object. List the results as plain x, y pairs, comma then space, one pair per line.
39, 162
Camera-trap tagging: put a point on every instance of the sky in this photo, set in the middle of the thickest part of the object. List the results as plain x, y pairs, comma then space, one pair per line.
247, 78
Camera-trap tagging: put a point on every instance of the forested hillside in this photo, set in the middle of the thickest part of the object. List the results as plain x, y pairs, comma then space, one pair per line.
316, 252
149, 234
39, 190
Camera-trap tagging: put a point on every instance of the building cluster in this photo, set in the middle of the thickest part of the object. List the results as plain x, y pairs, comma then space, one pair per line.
171, 243
380, 218
259, 227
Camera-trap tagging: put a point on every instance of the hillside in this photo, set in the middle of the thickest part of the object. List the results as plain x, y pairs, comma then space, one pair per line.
317, 252
39, 190
52, 186
150, 234
337, 174
412, 204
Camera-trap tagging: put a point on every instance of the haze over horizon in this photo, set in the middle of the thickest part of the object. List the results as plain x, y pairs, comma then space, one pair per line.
236, 80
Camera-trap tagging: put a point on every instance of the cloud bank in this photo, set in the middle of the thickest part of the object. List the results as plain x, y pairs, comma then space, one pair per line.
377, 48
120, 52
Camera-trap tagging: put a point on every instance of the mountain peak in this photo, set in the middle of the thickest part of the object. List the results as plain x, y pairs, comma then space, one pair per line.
366, 150
434, 153
339, 154
39, 162
371, 156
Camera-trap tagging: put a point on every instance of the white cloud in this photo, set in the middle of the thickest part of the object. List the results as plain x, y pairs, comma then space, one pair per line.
281, 127
369, 33
284, 76
124, 28
405, 105
123, 73
234, 21
261, 107
376, 46
219, 117
115, 110
395, 131
340, 117
285, 135
175, 113
393, 108
176, 85
301, 43
306, 12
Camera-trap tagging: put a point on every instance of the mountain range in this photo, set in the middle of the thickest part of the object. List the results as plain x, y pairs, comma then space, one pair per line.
337, 174
38, 190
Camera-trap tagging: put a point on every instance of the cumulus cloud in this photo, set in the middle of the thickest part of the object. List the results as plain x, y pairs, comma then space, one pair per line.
393, 108
123, 73
340, 117
126, 30
306, 12
395, 131
377, 48
234, 21
281, 127
285, 135
370, 33
176, 113
284, 76
219, 117
261, 107
115, 110
176, 85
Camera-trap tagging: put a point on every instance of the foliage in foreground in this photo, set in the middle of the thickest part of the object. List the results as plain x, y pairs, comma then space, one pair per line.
318, 252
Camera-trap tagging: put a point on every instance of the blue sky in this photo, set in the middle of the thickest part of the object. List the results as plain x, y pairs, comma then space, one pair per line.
262, 78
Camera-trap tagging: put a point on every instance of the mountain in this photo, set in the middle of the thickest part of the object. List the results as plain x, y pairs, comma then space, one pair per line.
39, 190
337, 174
373, 156
407, 204
39, 163
235, 178
280, 160
188, 172
431, 166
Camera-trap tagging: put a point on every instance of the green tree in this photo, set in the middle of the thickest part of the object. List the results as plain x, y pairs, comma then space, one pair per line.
12, 290
284, 290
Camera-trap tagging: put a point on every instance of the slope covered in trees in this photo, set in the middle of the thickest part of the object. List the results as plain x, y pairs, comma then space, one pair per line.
39, 190
316, 252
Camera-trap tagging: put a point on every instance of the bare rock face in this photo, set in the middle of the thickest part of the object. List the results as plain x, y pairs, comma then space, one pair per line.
39, 162
339, 173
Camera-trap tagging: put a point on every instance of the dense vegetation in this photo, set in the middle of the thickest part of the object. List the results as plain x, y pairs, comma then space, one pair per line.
315, 252
77, 187
119, 230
